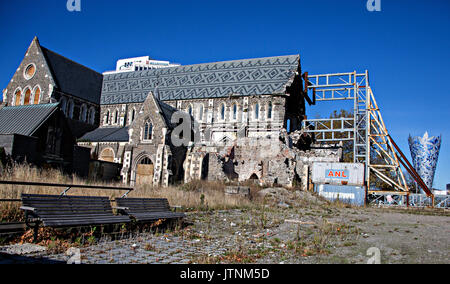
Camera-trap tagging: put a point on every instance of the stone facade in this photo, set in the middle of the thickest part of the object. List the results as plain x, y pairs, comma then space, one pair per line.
217, 123
240, 113
269, 161
45, 77
235, 137
147, 140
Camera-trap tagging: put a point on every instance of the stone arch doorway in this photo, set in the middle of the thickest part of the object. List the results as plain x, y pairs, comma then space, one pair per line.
107, 155
254, 177
145, 171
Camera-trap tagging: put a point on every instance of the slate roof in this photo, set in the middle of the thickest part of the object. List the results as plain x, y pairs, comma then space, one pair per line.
260, 76
25, 120
107, 134
167, 111
73, 78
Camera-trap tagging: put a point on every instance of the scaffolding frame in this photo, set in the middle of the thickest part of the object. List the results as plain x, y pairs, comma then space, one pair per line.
372, 144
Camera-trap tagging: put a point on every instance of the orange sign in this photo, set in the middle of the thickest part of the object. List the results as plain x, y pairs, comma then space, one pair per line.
338, 174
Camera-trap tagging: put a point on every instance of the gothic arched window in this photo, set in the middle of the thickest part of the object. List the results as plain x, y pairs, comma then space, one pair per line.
27, 99
116, 116
200, 113
17, 97
70, 108
269, 110
107, 117
148, 131
37, 96
92, 115
83, 114
256, 111
222, 112
132, 115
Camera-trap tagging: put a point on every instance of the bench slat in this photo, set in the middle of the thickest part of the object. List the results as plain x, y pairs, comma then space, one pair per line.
148, 209
57, 211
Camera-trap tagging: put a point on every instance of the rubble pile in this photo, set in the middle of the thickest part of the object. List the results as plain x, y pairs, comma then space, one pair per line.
274, 161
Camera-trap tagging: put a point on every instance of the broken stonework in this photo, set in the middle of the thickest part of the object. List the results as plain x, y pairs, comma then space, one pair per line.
268, 161
238, 190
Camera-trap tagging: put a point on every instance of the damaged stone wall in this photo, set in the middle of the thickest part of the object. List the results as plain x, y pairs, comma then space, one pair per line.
285, 160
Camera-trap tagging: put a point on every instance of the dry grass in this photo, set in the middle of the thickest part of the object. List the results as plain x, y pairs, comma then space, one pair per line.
209, 196
197, 195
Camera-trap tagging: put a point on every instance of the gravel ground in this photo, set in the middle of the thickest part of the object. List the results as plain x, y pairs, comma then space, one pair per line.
331, 234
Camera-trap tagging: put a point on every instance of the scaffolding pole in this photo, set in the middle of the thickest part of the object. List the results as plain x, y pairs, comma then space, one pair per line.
372, 144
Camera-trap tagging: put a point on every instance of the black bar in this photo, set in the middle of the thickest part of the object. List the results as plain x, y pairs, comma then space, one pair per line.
64, 185
12, 227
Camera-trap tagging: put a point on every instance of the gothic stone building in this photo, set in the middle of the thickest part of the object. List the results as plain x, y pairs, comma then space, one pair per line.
45, 77
49, 103
241, 111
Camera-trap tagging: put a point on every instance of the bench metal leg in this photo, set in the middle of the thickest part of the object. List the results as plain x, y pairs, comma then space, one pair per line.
35, 227
35, 232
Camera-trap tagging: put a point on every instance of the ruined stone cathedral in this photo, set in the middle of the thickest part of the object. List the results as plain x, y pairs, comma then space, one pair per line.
244, 114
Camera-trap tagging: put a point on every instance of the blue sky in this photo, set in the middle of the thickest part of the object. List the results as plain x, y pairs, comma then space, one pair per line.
405, 47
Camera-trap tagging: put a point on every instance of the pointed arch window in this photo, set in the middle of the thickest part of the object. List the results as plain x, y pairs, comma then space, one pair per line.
235, 110
200, 113
63, 103
222, 112
116, 117
17, 97
269, 110
256, 111
107, 117
148, 131
83, 115
132, 115
70, 107
37, 96
27, 98
92, 115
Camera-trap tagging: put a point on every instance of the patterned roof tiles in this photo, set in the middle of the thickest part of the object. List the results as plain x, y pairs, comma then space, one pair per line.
260, 76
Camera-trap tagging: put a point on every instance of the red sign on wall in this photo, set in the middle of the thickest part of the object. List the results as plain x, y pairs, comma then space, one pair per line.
338, 174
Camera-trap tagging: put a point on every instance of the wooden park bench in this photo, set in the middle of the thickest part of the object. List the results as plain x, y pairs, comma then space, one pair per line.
68, 211
147, 209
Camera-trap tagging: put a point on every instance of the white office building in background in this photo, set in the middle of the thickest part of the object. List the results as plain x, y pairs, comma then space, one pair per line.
139, 64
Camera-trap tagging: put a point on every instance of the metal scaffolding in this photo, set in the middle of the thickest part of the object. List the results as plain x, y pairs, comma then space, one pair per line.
372, 144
